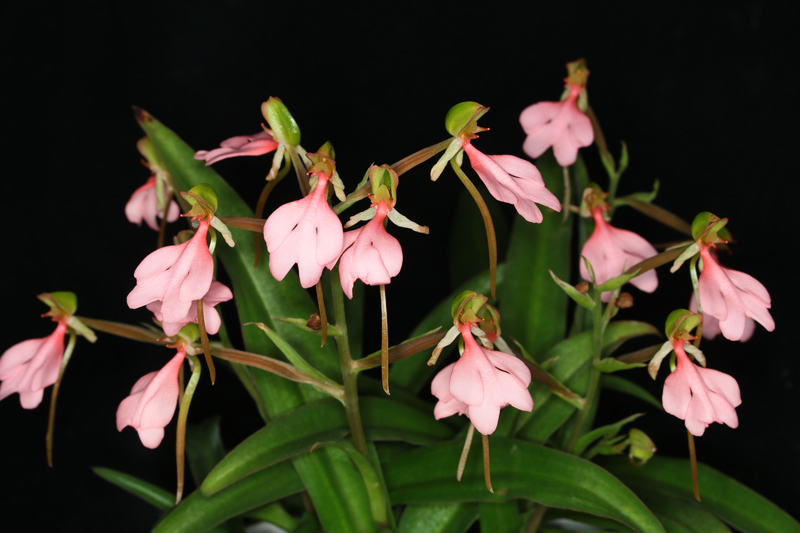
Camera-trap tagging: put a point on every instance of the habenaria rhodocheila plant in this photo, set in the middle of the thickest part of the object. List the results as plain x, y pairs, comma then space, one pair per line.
518, 355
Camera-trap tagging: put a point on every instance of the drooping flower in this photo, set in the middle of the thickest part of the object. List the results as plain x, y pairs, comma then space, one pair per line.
731, 296
143, 205
558, 124
259, 143
480, 383
152, 402
30, 366
175, 275
217, 293
370, 254
514, 181
711, 324
306, 232
612, 250
700, 396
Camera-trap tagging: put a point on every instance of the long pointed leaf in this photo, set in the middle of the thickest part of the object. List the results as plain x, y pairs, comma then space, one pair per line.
155, 496
739, 506
519, 470
439, 518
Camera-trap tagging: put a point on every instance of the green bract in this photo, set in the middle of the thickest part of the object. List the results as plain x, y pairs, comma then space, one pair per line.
467, 301
462, 118
708, 227
281, 121
681, 320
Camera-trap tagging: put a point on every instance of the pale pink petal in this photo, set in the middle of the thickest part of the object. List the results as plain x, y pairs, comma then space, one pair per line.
32, 399
537, 115
513, 392
564, 151
257, 144
18, 355
484, 417
156, 263
491, 175
30, 366
282, 221
722, 384
516, 166
127, 408
580, 128
329, 236
510, 364
749, 329
133, 209
466, 382
724, 412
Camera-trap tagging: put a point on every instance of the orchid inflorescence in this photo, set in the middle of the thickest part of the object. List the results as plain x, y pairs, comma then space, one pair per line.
177, 284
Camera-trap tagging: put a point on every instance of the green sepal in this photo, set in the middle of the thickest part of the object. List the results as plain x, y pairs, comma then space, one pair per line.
155, 496
604, 432
462, 118
203, 199
609, 365
617, 282
280, 121
584, 300
681, 320
61, 303
302, 324
707, 226
466, 305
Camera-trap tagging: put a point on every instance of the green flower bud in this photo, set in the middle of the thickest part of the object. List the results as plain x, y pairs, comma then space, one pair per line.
61, 303
384, 182
642, 447
203, 198
323, 160
281, 121
462, 118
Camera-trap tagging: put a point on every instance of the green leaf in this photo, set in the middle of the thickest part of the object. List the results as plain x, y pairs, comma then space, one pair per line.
372, 482
678, 514
440, 518
602, 432
739, 506
519, 470
617, 282
155, 496
624, 386
274, 514
609, 365
297, 431
500, 517
333, 485
198, 513
414, 373
604, 523
584, 300
300, 323
572, 368
534, 309
204, 447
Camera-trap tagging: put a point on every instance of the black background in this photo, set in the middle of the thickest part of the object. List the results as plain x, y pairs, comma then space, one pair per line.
704, 97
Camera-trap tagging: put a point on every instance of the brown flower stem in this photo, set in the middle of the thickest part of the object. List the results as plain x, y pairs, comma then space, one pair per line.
409, 162
487, 471
262, 201
567, 193
247, 223
656, 261
660, 214
127, 331
536, 518
162, 228
462, 461
487, 222
297, 163
384, 342
183, 413
401, 351
323, 315
599, 138
204, 340
696, 295
349, 373
693, 463
51, 421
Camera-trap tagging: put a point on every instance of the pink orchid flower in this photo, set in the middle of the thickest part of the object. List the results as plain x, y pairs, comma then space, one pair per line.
370, 254
711, 324
217, 293
558, 124
514, 181
152, 402
700, 396
612, 250
257, 144
174, 275
306, 232
731, 296
30, 366
143, 205
480, 383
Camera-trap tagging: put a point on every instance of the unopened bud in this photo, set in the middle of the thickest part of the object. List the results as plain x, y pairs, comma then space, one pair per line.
462, 119
203, 199
642, 447
281, 121
625, 300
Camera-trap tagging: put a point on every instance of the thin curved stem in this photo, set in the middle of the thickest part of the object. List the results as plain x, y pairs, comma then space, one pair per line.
183, 413
201, 322
409, 162
487, 222
51, 421
384, 342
